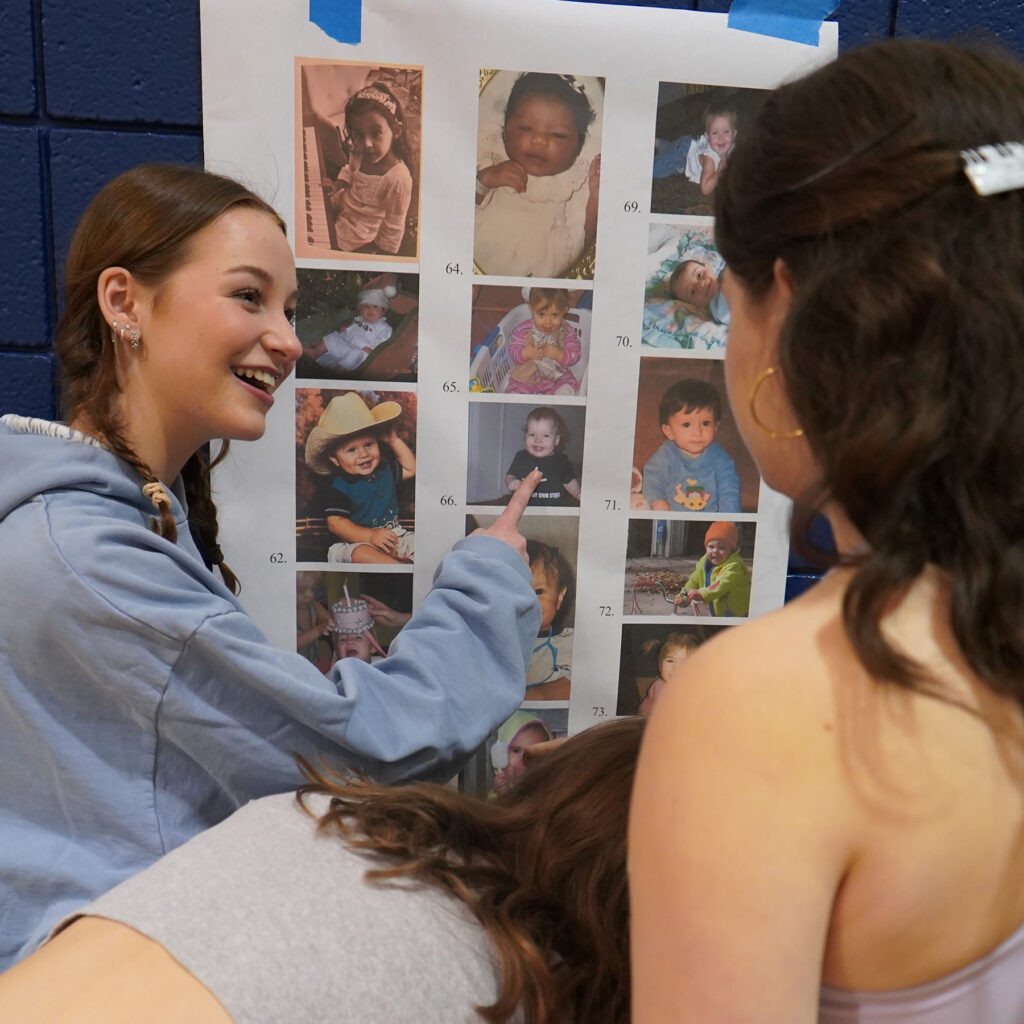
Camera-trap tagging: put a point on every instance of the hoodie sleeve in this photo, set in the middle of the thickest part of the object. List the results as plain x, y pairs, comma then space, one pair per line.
238, 708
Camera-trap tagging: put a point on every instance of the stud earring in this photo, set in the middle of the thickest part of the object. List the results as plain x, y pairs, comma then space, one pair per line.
113, 334
134, 338
775, 435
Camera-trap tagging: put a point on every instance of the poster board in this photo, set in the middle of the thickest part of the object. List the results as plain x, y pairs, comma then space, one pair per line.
600, 213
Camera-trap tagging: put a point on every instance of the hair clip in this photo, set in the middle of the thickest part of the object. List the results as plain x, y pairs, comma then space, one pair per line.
995, 168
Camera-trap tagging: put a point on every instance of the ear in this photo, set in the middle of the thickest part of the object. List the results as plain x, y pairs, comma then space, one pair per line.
561, 598
777, 301
665, 430
119, 296
782, 279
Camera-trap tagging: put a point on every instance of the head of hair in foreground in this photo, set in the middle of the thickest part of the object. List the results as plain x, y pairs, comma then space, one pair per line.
543, 868
144, 221
900, 350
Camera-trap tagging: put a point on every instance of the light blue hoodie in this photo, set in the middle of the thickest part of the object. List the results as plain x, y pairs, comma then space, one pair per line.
139, 704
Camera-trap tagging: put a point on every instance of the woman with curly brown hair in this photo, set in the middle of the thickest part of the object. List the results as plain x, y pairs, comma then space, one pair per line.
829, 816
403, 904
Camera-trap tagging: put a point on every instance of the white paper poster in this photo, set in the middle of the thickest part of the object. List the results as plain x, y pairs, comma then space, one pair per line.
502, 221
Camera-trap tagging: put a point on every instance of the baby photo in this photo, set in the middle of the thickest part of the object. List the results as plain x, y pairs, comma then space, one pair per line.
507, 441
538, 174
684, 307
355, 467
551, 546
651, 657
688, 456
695, 131
349, 615
357, 325
688, 568
357, 157
530, 341
506, 757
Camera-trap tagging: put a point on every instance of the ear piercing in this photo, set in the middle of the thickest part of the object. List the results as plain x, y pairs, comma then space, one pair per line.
125, 331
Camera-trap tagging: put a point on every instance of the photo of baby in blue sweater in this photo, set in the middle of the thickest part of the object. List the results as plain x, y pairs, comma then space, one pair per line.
688, 453
691, 471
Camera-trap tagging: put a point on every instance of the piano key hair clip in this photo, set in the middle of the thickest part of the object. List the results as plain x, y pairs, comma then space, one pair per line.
995, 168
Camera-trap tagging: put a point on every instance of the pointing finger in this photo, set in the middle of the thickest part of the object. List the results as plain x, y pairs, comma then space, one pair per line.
520, 499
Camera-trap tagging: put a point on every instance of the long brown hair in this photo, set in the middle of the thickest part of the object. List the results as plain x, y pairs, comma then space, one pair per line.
901, 350
543, 868
144, 221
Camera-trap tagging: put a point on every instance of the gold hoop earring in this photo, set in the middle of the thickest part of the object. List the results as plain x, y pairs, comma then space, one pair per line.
775, 435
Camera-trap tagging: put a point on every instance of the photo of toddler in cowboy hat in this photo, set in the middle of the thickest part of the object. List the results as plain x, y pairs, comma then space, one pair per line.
362, 452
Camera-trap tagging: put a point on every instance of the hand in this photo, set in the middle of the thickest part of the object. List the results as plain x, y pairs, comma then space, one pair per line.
384, 540
693, 595
552, 352
681, 600
531, 755
508, 172
384, 614
513, 484
367, 349
505, 527
594, 175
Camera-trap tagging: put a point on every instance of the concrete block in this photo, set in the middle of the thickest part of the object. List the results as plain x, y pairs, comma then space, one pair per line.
27, 384
18, 59
123, 60
24, 260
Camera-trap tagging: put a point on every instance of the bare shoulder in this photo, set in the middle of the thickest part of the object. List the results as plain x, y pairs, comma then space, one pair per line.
782, 664
741, 826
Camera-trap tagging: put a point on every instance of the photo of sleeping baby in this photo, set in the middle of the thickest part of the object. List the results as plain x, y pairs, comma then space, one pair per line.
538, 174
695, 131
684, 307
551, 546
509, 440
688, 456
652, 656
530, 341
349, 615
357, 159
688, 568
358, 325
355, 468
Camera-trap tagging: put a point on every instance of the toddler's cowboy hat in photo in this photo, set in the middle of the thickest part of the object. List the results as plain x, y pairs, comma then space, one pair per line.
345, 414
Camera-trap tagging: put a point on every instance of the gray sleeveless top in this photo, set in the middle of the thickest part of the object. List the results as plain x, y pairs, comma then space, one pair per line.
989, 991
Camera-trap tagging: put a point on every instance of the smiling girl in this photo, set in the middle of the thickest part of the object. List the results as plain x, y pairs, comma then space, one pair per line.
139, 704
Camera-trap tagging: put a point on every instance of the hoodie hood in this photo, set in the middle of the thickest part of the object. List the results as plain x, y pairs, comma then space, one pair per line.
39, 456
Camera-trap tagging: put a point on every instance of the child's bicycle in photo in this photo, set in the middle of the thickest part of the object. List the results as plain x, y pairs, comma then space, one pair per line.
666, 583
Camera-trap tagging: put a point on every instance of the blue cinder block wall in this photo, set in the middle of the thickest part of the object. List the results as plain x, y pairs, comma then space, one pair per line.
90, 89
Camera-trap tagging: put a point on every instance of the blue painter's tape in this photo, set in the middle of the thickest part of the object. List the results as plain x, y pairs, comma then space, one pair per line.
798, 20
340, 19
